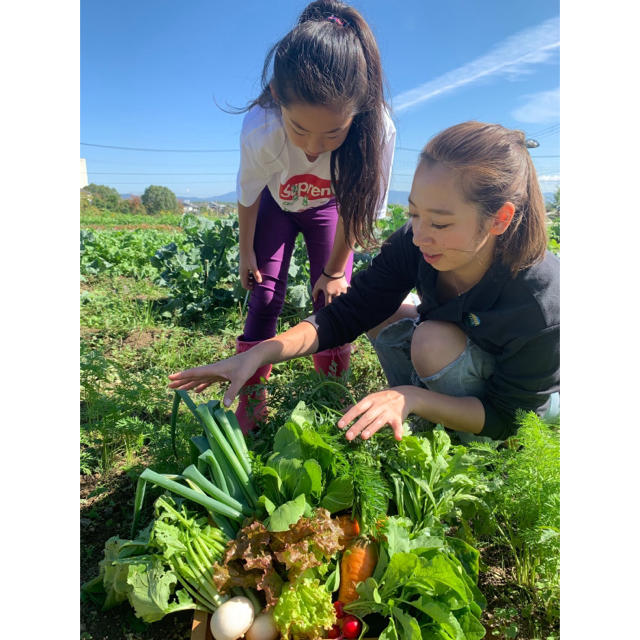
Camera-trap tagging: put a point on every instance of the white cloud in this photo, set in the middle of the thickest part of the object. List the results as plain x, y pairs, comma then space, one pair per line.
549, 178
540, 107
513, 57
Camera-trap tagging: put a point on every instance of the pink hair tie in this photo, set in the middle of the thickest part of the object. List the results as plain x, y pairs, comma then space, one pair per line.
336, 20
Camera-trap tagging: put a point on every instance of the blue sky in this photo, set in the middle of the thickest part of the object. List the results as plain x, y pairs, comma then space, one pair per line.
152, 71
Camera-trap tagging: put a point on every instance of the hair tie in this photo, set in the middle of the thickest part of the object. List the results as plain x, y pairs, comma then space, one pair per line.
337, 20
326, 275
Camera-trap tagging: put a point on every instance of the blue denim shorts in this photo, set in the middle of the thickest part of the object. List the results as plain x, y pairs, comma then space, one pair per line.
465, 376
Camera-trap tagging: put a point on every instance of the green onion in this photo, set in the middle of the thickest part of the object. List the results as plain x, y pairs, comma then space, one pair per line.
231, 457
189, 402
229, 527
208, 487
174, 420
141, 487
230, 479
232, 436
185, 492
207, 457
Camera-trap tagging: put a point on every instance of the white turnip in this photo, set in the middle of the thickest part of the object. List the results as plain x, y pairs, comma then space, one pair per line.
232, 619
263, 628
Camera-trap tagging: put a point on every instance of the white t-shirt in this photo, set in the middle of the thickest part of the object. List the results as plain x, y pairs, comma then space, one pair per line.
269, 159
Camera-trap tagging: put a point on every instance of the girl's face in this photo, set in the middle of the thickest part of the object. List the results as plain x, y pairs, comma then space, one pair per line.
315, 129
447, 228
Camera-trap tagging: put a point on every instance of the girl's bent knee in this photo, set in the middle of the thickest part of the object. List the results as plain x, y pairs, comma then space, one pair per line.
403, 311
434, 345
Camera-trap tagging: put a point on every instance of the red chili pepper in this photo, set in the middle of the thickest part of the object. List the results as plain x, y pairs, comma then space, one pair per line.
351, 627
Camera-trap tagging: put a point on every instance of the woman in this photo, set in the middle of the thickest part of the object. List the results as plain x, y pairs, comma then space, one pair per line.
484, 342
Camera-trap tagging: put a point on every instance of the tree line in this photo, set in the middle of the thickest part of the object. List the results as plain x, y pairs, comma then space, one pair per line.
154, 200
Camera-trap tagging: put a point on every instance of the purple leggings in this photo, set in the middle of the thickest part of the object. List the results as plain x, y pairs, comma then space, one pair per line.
274, 242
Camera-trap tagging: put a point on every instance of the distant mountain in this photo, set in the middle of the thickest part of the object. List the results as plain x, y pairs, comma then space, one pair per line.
395, 197
225, 197
231, 196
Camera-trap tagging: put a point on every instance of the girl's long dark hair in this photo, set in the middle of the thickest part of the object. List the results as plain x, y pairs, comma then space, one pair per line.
323, 62
495, 167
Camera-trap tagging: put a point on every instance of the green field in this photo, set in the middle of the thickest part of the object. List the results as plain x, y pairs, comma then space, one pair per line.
159, 294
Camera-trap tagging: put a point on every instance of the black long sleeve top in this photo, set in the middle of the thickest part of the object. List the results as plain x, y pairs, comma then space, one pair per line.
516, 319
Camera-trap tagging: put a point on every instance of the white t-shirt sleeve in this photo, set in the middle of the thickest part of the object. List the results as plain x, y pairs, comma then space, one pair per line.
252, 177
388, 147
262, 141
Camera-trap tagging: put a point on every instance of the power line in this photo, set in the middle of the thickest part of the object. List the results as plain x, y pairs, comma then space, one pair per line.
108, 146
124, 173
551, 129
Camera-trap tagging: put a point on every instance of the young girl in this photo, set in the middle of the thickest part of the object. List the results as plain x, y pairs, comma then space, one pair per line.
484, 341
316, 155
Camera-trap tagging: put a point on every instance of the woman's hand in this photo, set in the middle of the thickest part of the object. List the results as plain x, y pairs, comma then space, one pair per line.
331, 288
236, 370
389, 407
249, 272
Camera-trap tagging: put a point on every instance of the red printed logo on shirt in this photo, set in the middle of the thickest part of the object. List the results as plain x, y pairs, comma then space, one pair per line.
305, 186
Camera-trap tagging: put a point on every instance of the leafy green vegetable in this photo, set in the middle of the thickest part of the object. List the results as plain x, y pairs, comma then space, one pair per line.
152, 586
287, 514
312, 458
166, 568
339, 494
114, 571
304, 610
434, 482
265, 559
200, 269
425, 583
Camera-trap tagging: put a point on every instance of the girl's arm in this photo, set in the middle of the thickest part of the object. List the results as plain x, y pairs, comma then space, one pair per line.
300, 340
335, 265
392, 406
247, 217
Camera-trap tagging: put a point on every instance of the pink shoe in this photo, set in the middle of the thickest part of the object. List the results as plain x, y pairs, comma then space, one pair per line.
252, 405
332, 361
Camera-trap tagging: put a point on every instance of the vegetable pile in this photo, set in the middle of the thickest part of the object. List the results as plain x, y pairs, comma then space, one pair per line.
307, 537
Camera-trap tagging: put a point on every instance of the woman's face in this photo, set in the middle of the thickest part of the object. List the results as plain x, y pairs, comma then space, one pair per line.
447, 228
315, 129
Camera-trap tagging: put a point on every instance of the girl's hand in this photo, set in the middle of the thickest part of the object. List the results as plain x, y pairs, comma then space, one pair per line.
389, 407
236, 370
249, 272
331, 288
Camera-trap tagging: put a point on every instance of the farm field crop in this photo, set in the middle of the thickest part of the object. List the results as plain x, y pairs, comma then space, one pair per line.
161, 299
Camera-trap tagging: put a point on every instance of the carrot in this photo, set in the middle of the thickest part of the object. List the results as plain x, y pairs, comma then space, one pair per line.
350, 529
357, 564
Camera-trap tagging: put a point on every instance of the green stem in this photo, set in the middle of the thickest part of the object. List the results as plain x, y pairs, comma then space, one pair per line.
232, 437
208, 487
216, 470
185, 492
174, 421
205, 578
245, 483
179, 569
